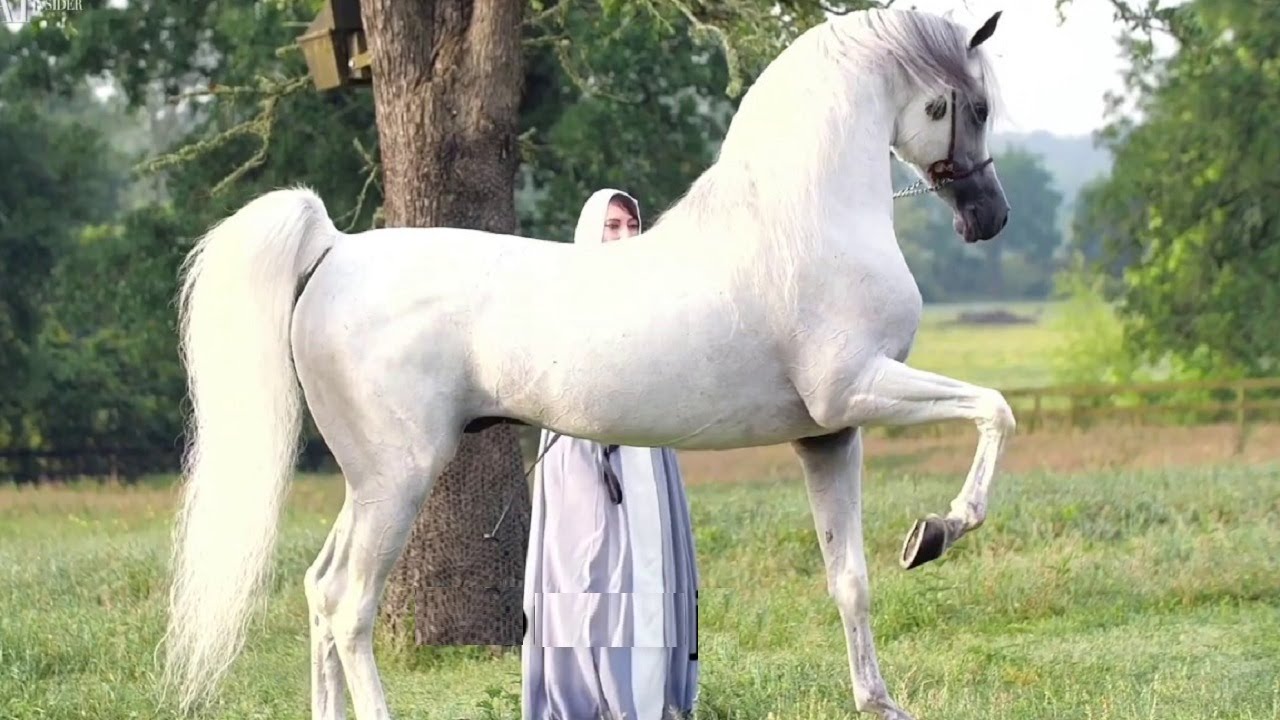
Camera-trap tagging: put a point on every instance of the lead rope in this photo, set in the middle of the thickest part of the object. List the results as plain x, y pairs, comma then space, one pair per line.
920, 188
511, 495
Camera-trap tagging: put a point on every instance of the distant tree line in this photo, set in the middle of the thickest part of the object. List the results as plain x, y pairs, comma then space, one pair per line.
1182, 238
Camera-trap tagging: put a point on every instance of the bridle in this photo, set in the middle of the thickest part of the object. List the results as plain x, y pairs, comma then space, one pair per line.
944, 172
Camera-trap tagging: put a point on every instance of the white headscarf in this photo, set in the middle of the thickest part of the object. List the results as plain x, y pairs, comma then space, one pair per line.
590, 228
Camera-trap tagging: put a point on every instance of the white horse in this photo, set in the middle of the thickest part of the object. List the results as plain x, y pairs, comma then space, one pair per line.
770, 304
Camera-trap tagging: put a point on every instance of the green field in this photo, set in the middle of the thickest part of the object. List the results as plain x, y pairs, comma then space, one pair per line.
1089, 596
999, 356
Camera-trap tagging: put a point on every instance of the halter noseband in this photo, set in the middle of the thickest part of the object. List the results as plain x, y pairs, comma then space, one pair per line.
944, 172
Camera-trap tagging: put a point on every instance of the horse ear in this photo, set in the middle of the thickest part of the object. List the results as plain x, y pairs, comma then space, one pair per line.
985, 31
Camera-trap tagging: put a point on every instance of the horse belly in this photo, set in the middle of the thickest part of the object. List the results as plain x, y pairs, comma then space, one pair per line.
706, 386
712, 407
653, 407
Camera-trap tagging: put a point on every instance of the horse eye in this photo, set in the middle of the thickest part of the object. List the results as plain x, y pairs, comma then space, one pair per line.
937, 108
980, 111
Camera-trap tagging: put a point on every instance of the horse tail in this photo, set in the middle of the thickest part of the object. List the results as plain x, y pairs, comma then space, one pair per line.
238, 288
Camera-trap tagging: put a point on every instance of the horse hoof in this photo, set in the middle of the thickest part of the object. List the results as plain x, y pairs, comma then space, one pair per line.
925, 542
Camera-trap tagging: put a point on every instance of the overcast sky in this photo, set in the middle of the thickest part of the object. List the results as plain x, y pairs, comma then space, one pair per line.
1052, 77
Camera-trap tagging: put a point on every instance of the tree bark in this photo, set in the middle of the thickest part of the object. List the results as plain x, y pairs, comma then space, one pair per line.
447, 82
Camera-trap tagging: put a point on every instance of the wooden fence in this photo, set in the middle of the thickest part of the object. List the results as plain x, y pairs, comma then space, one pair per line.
1079, 407
1195, 402
24, 466
1038, 409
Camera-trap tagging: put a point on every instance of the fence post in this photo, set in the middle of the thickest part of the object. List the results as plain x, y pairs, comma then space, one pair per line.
1241, 425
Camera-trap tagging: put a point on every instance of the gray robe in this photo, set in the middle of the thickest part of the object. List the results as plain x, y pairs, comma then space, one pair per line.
611, 581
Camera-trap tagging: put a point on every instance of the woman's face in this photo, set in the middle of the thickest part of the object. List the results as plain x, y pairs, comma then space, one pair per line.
619, 222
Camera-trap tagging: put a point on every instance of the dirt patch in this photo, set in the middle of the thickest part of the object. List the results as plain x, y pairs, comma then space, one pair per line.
991, 317
1109, 448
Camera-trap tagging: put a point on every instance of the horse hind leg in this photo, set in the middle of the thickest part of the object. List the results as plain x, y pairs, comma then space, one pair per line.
328, 685
384, 494
391, 418
387, 481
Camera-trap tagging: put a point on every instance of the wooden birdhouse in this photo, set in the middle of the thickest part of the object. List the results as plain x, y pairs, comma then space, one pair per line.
335, 48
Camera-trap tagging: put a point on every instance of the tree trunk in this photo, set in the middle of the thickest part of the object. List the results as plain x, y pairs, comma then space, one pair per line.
447, 79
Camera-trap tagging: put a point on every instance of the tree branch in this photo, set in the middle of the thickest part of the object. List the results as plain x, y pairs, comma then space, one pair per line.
261, 125
702, 29
372, 171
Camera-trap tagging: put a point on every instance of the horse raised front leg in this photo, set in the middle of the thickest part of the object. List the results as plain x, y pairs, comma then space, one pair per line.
833, 475
890, 393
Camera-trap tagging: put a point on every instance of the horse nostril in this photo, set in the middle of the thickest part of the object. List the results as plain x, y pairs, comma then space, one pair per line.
1004, 221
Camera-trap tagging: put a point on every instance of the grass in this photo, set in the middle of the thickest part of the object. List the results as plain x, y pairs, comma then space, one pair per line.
1090, 595
1093, 595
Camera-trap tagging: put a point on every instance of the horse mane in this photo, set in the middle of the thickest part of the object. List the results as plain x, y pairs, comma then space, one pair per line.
932, 49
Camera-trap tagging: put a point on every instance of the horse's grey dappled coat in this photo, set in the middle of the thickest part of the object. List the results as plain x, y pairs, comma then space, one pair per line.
610, 587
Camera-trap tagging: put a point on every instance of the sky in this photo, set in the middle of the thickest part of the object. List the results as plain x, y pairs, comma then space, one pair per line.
1052, 77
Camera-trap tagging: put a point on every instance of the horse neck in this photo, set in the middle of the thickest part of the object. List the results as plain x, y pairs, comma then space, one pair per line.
858, 178
803, 176
811, 141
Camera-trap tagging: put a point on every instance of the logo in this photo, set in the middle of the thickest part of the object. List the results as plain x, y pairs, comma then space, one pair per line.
16, 13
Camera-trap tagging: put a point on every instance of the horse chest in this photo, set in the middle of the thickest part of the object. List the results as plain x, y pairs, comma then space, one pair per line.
897, 314
881, 308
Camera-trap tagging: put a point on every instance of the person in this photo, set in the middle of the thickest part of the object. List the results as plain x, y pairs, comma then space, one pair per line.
610, 588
